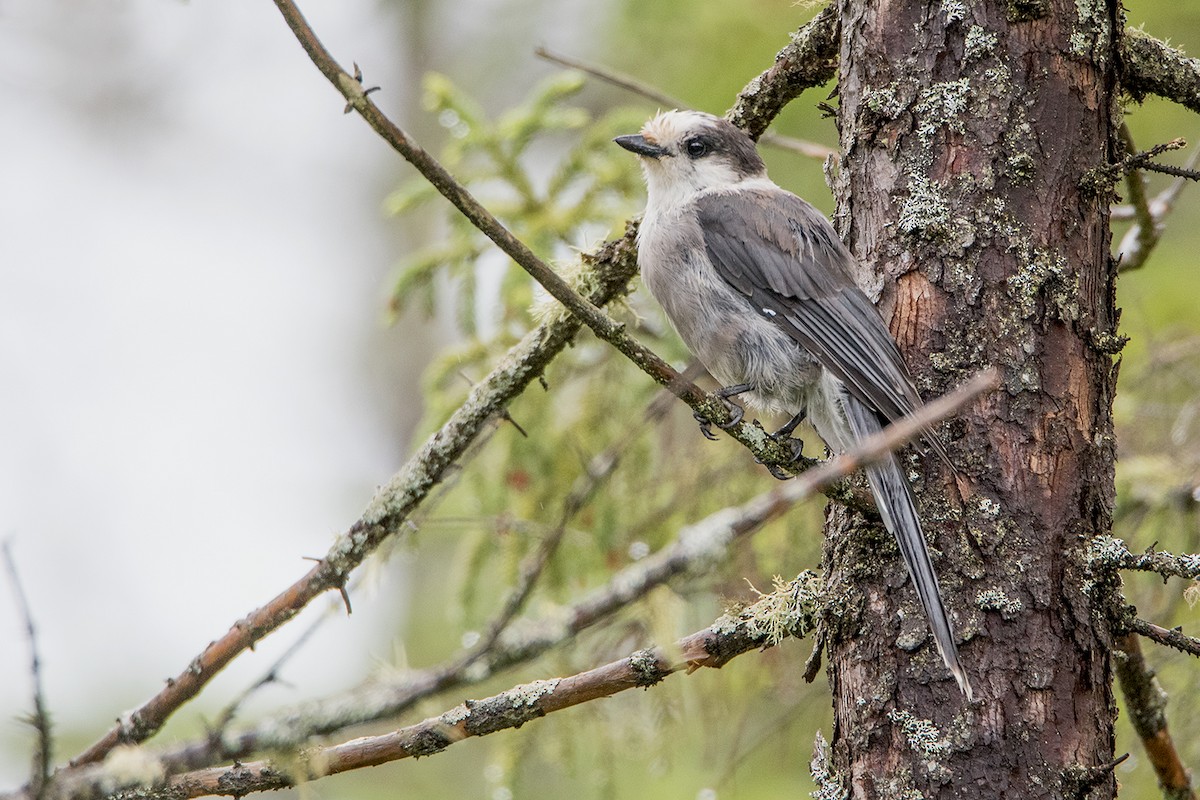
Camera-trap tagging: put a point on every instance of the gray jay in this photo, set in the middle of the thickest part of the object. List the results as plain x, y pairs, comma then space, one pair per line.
759, 287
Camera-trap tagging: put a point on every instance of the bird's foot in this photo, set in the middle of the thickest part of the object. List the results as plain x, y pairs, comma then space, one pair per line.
736, 412
783, 437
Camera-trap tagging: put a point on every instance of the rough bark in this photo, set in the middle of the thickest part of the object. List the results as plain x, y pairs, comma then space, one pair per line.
970, 189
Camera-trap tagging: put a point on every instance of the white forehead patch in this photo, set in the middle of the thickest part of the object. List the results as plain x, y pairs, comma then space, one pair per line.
670, 126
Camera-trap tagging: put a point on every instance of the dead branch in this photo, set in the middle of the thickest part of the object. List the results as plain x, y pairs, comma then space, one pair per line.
790, 611
40, 718
1146, 703
1170, 638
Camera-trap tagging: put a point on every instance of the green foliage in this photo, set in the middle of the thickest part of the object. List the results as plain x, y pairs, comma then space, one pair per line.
552, 199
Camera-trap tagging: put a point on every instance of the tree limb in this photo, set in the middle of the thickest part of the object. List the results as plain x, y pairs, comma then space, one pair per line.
1108, 553
1171, 638
1146, 703
809, 60
1149, 66
694, 551
790, 611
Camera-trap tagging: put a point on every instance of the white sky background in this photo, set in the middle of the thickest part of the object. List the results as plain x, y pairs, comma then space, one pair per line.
197, 388
191, 266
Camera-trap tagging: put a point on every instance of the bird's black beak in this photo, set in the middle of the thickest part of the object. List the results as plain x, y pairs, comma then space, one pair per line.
636, 143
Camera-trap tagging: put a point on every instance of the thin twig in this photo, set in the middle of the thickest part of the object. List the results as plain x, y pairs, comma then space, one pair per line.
788, 612
611, 76
1146, 704
1170, 638
43, 751
800, 146
1143, 236
220, 726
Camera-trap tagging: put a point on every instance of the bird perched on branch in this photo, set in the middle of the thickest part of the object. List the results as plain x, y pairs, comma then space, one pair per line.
759, 287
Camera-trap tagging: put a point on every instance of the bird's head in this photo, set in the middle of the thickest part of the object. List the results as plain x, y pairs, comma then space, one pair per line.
683, 152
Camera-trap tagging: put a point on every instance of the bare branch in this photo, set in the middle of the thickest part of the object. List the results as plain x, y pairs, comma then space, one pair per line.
40, 719
1171, 638
800, 146
219, 727
790, 611
1149, 66
1146, 703
611, 76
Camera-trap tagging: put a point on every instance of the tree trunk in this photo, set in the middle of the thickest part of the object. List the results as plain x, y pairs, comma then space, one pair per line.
972, 189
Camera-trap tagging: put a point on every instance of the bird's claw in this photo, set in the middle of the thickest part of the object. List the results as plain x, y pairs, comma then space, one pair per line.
736, 413
776, 473
705, 426
783, 437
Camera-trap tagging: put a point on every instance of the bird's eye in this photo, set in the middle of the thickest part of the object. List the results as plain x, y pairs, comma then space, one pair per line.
696, 147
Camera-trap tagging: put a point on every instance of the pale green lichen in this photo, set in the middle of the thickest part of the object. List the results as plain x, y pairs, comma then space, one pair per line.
955, 11
942, 104
1045, 274
830, 785
996, 600
979, 43
922, 735
1094, 27
455, 715
790, 610
884, 101
527, 694
926, 211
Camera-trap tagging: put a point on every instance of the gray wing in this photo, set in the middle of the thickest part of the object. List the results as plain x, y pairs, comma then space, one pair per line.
786, 259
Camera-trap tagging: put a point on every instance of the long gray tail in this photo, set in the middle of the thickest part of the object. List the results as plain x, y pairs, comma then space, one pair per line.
894, 497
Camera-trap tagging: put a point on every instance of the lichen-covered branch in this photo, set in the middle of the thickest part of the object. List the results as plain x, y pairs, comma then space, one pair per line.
1149, 66
1146, 704
789, 611
696, 549
1107, 553
809, 60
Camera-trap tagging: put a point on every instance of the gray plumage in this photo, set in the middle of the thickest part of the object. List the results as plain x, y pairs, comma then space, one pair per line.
759, 287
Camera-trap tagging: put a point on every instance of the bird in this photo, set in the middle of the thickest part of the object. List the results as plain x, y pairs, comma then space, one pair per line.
759, 286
